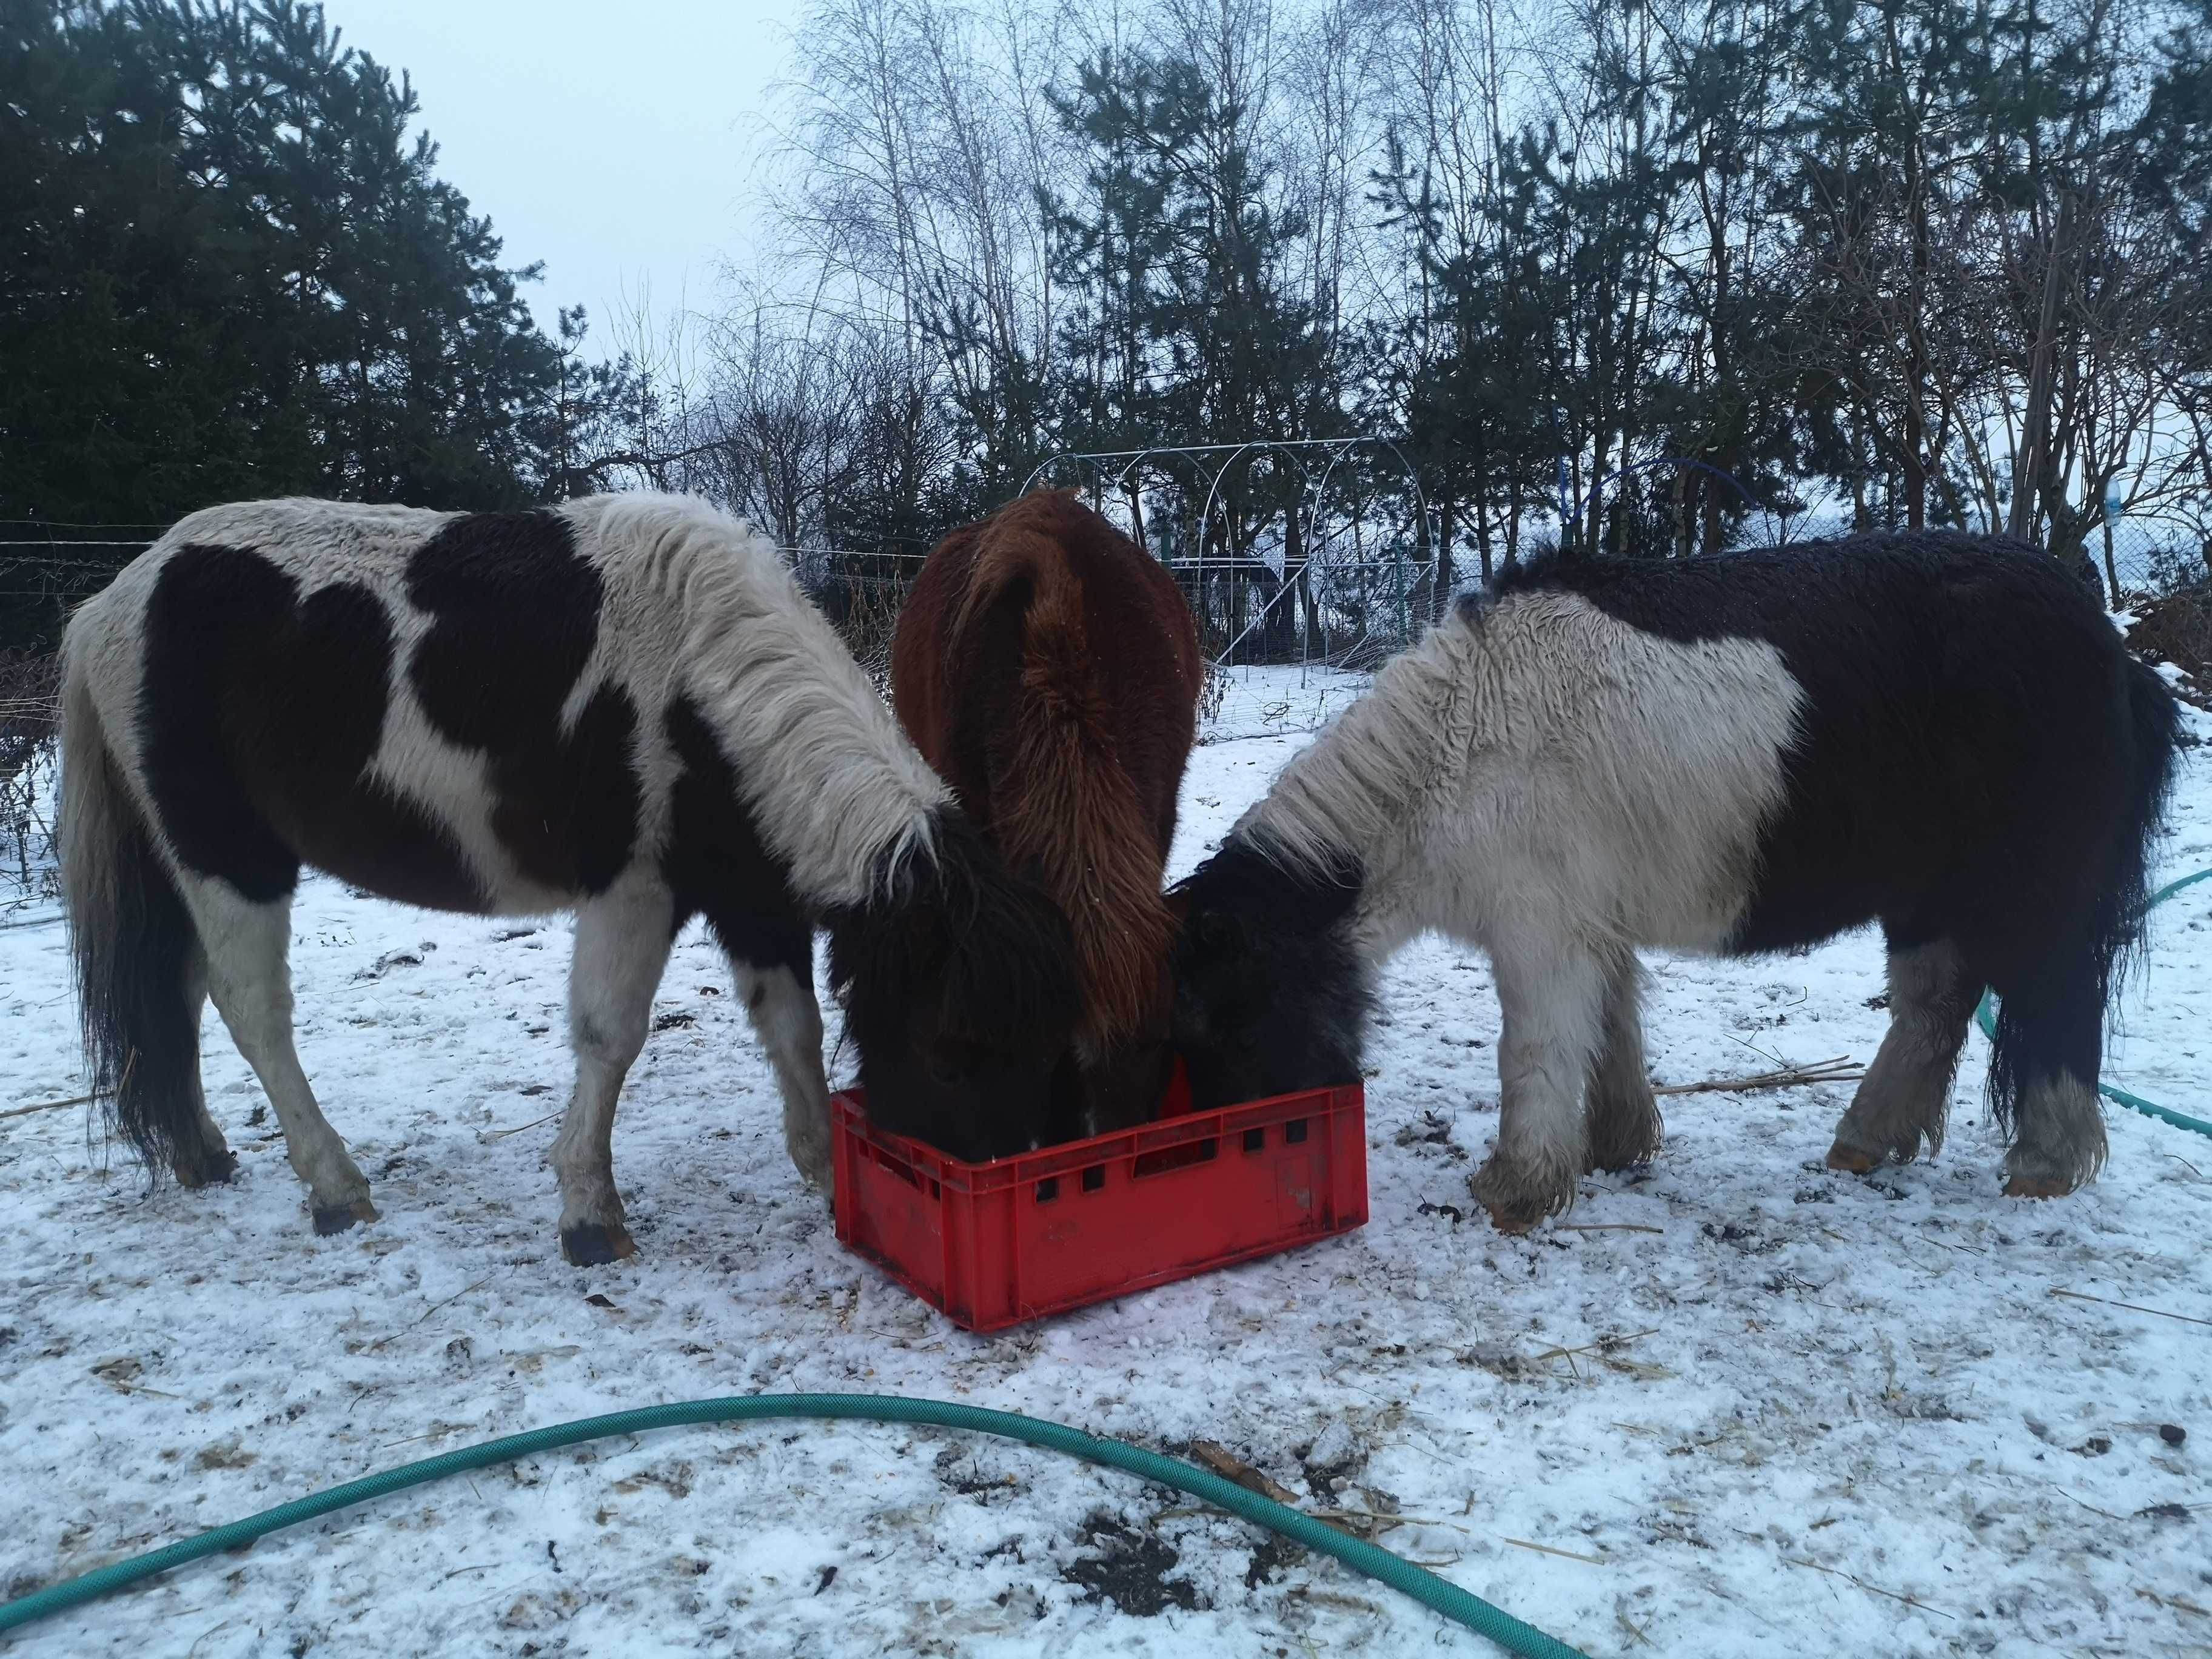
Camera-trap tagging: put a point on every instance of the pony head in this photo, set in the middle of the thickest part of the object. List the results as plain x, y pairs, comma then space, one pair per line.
1272, 995
960, 995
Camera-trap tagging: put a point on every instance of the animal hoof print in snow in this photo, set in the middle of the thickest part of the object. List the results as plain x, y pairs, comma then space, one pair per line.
337, 1217
593, 1246
1851, 1160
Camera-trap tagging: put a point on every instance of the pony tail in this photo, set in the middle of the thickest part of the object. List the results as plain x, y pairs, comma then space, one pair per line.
2154, 726
135, 950
1064, 806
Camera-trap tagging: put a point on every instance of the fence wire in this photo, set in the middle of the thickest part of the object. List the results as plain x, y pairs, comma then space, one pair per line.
1288, 646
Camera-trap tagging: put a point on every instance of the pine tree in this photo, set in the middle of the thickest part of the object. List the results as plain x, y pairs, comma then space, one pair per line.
226, 270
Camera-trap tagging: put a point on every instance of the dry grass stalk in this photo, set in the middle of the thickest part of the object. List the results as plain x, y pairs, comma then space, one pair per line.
1607, 1349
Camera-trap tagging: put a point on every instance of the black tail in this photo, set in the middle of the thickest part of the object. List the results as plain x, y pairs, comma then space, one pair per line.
137, 953
2155, 728
2053, 1018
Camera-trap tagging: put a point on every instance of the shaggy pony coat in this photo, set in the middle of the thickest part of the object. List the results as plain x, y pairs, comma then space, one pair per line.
1940, 732
623, 708
1049, 670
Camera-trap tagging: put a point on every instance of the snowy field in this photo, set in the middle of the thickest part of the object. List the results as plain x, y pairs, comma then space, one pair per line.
1735, 1405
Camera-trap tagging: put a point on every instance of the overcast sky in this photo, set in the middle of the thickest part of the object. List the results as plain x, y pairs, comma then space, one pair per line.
617, 144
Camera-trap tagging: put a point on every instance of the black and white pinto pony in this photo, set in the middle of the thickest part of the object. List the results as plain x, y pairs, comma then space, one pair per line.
624, 707
1940, 732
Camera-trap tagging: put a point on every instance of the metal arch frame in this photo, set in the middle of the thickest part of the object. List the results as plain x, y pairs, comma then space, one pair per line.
1315, 490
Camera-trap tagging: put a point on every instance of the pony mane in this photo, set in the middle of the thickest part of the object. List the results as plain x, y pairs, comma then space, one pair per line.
1065, 804
1353, 797
838, 791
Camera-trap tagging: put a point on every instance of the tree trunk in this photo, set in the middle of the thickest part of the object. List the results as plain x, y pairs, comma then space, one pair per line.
2035, 429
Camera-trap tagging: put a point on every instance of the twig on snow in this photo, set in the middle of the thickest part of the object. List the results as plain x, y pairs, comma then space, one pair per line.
1605, 1227
53, 1106
2132, 1307
490, 1135
1569, 1555
2092, 1508
1841, 1069
2176, 1602
1872, 1590
394, 1335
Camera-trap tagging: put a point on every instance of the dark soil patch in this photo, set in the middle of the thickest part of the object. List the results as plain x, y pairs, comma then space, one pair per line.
1130, 1570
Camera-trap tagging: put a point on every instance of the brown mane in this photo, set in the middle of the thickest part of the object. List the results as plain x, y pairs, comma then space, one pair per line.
1049, 669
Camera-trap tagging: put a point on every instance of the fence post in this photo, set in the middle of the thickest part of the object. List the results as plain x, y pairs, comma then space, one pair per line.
1398, 579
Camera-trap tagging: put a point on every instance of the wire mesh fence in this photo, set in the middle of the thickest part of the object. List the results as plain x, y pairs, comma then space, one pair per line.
28, 683
1293, 626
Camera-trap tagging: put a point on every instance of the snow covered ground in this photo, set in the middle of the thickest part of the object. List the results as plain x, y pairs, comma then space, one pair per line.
1739, 1406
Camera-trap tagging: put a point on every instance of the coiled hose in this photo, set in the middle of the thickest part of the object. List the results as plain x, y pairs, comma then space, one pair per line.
1425, 1586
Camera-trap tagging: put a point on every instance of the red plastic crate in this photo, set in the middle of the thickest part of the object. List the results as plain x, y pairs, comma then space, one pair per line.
995, 1245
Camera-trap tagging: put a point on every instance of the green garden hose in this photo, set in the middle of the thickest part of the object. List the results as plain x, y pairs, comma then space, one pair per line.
1986, 1017
1448, 1599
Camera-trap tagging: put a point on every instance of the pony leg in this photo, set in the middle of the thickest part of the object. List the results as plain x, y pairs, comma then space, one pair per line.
247, 974
1623, 1112
622, 939
211, 1161
1905, 1096
787, 1020
1552, 995
2042, 1075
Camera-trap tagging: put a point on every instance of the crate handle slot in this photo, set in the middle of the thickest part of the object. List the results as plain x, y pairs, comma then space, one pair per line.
1048, 1189
1256, 1140
898, 1167
1294, 1132
1174, 1157
1094, 1177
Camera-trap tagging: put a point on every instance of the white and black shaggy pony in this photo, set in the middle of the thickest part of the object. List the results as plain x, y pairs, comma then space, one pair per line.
624, 707
1940, 732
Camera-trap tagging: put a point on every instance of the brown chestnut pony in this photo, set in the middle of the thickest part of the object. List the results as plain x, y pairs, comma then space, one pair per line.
1048, 669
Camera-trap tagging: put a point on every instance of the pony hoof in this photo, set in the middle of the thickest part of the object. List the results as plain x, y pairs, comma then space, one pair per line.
337, 1217
1515, 1219
1851, 1160
1620, 1162
1515, 1205
594, 1246
2022, 1185
213, 1171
